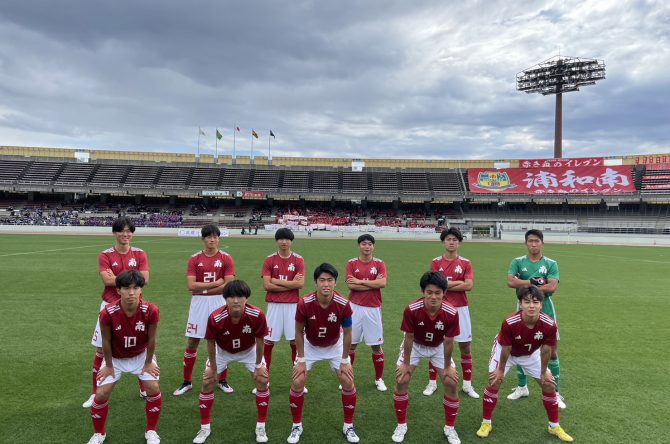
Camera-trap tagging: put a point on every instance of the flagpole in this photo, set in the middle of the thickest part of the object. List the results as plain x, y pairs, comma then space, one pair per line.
269, 153
199, 131
234, 152
251, 154
216, 145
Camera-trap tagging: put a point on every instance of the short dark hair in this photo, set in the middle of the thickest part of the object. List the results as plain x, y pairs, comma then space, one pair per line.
121, 223
434, 278
534, 232
236, 288
532, 291
325, 268
210, 229
454, 232
128, 278
366, 237
284, 233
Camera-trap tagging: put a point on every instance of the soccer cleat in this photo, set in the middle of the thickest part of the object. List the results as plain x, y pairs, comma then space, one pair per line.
484, 430
202, 435
143, 395
304, 390
261, 436
468, 390
152, 437
560, 433
89, 402
519, 392
294, 437
561, 401
380, 385
339, 387
430, 388
399, 433
225, 388
97, 438
350, 433
452, 436
183, 388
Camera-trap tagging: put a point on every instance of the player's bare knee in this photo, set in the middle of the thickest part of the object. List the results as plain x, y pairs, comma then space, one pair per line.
401, 389
464, 347
377, 349
208, 383
298, 383
103, 392
151, 387
193, 343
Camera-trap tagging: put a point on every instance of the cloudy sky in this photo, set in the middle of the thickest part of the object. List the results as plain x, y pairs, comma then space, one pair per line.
359, 79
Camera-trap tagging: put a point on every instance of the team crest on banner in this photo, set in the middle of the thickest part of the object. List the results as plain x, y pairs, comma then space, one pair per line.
494, 181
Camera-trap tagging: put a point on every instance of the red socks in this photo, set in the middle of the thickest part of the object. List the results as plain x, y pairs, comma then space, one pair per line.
190, 356
262, 403
267, 353
296, 400
153, 409
206, 403
551, 406
97, 362
223, 375
99, 416
349, 405
401, 404
432, 373
466, 366
450, 410
489, 402
378, 362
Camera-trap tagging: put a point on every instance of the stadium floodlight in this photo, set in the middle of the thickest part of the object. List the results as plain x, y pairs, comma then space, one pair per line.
558, 75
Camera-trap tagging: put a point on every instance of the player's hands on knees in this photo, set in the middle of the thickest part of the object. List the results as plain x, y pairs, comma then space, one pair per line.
299, 369
261, 375
347, 374
104, 373
151, 369
450, 375
403, 374
547, 380
496, 377
209, 375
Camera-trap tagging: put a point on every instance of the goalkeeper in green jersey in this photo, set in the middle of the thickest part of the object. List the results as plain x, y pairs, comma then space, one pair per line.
536, 269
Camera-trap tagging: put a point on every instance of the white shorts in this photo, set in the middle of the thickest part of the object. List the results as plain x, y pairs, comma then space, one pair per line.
367, 325
464, 324
281, 320
434, 354
201, 308
96, 340
530, 364
333, 354
132, 365
245, 357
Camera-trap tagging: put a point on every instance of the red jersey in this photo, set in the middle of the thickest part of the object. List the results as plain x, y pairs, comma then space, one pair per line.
368, 272
236, 337
110, 259
323, 325
277, 267
210, 269
130, 335
458, 269
525, 340
427, 330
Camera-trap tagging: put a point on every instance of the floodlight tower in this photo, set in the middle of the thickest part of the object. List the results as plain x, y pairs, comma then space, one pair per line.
558, 75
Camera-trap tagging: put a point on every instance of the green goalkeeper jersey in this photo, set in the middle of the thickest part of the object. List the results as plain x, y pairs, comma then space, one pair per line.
526, 269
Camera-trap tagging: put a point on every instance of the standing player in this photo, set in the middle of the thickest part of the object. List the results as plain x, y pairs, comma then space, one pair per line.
536, 269
366, 276
128, 327
283, 276
208, 272
235, 334
526, 339
458, 271
430, 325
111, 263
324, 318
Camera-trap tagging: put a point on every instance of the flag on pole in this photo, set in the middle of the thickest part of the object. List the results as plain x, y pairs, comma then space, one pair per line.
237, 128
202, 133
272, 134
218, 135
254, 133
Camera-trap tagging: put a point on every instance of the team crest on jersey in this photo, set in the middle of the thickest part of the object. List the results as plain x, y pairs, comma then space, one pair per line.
439, 325
139, 326
246, 329
291, 267
132, 263
542, 270
218, 263
538, 336
332, 317
373, 270
458, 269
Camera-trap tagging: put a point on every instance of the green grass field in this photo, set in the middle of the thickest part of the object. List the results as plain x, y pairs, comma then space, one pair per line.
611, 309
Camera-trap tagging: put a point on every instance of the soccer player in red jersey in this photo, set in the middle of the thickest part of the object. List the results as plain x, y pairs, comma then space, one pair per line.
323, 333
458, 271
525, 339
208, 272
235, 333
111, 263
283, 276
430, 325
128, 327
366, 276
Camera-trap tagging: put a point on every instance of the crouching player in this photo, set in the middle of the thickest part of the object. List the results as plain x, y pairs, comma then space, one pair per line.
320, 319
430, 325
525, 339
128, 329
235, 333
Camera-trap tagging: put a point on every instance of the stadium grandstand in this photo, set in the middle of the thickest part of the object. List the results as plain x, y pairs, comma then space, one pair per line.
57, 186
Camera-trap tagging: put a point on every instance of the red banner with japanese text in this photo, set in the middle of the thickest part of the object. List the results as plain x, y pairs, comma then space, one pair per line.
580, 180
562, 163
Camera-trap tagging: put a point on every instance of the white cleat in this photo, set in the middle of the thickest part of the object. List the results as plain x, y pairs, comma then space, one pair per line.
152, 437
468, 390
380, 385
185, 387
519, 392
294, 437
89, 403
350, 433
202, 435
561, 401
97, 438
143, 395
451, 435
261, 436
399, 433
225, 388
430, 388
